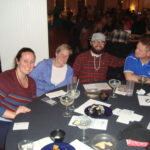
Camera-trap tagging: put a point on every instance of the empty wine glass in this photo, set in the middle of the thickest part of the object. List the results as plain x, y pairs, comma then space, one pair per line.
66, 101
72, 92
114, 83
83, 123
25, 145
142, 80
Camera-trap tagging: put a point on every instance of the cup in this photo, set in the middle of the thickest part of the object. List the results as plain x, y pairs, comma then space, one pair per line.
25, 145
130, 88
71, 86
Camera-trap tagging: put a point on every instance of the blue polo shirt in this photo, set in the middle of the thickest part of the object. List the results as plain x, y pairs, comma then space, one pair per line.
133, 64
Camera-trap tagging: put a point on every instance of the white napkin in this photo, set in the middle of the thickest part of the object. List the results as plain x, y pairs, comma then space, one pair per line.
98, 86
56, 94
140, 92
79, 145
39, 144
99, 124
126, 116
88, 103
144, 100
21, 126
121, 90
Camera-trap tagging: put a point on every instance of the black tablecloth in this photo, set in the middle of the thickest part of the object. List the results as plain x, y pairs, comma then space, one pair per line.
44, 118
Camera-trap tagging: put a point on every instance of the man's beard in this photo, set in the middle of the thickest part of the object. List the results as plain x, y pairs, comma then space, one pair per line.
98, 52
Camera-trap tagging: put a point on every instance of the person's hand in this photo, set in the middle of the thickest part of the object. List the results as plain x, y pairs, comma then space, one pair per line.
22, 109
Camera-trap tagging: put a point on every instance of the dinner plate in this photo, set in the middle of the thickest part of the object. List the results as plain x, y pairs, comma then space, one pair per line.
62, 146
106, 111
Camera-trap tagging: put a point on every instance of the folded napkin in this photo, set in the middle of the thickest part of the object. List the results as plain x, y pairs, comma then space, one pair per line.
121, 90
98, 86
56, 94
144, 100
79, 145
140, 92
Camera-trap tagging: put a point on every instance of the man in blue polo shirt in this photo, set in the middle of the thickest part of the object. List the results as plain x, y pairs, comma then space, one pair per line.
138, 64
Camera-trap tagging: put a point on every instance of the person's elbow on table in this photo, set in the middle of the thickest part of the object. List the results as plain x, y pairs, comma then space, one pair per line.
11, 114
130, 76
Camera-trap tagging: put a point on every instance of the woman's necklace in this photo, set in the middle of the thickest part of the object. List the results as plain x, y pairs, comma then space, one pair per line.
23, 83
99, 63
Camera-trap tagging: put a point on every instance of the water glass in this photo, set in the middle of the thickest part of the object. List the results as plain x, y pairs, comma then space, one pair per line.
130, 88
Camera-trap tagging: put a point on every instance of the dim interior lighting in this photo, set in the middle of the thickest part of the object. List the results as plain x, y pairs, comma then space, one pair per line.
132, 7
65, 5
85, 3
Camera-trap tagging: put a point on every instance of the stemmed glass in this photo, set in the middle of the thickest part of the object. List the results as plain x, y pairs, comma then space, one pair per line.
66, 101
114, 83
142, 80
83, 123
25, 145
73, 93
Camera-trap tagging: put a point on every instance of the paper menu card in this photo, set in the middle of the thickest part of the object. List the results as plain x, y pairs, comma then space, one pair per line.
99, 124
21, 126
81, 108
98, 86
144, 100
56, 94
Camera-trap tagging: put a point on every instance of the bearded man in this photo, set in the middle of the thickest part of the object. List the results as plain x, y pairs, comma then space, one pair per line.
92, 65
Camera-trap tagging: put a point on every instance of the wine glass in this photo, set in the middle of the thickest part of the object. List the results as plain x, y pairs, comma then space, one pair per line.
142, 80
66, 101
73, 93
114, 83
83, 123
25, 145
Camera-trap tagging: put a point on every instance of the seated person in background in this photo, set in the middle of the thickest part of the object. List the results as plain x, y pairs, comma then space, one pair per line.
138, 64
16, 90
120, 34
147, 33
53, 73
92, 65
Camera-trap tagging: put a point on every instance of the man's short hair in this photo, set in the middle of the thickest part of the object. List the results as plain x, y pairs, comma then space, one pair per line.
146, 41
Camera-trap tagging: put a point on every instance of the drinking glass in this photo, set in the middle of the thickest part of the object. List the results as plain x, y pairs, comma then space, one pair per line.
66, 101
114, 83
142, 80
84, 123
72, 92
25, 145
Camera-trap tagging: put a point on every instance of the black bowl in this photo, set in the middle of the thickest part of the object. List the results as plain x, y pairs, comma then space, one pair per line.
103, 96
57, 135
